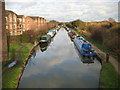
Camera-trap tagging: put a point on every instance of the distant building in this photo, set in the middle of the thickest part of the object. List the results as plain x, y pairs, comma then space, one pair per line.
3, 36
34, 22
11, 22
42, 20
17, 24
21, 24
30, 24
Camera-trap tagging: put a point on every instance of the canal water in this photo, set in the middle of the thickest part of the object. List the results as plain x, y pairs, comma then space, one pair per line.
59, 65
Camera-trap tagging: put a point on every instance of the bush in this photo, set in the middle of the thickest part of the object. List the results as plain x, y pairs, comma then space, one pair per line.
79, 24
97, 36
116, 28
106, 34
69, 25
25, 38
114, 44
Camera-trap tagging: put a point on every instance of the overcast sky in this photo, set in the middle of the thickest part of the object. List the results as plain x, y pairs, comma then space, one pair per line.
66, 10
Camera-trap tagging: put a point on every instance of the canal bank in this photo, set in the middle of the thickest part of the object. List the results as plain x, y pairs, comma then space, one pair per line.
109, 74
17, 69
60, 66
26, 61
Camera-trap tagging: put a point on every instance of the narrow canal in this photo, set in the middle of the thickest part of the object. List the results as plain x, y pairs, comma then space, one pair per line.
59, 65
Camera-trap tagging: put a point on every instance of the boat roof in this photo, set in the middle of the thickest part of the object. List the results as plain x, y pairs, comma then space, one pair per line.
86, 46
51, 31
45, 35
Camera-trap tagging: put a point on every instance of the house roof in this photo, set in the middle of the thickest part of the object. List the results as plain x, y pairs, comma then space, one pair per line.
20, 16
7, 12
33, 17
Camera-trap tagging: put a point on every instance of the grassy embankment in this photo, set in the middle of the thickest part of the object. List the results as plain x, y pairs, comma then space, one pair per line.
109, 77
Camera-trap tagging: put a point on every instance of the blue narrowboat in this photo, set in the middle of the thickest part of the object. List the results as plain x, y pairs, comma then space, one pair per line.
84, 47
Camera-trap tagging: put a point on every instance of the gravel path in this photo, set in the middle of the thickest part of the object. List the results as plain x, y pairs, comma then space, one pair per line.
112, 60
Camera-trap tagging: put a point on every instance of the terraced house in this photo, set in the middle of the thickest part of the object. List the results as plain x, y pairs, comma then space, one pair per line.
17, 24
21, 24
30, 23
11, 22
34, 22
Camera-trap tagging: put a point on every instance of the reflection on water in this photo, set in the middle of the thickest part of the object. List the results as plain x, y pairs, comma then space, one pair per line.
60, 66
86, 60
43, 46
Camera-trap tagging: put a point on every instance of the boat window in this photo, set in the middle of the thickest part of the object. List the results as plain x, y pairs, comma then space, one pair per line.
43, 38
88, 52
90, 48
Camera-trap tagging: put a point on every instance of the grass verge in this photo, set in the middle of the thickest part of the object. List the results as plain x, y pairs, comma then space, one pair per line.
109, 77
11, 76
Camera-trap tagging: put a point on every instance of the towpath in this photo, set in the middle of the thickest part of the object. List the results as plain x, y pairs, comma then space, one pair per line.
112, 60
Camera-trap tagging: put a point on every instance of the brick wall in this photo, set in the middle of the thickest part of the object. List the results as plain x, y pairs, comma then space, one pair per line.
30, 23
3, 36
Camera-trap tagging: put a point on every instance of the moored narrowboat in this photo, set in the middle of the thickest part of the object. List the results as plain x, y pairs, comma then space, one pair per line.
45, 39
72, 35
84, 47
51, 33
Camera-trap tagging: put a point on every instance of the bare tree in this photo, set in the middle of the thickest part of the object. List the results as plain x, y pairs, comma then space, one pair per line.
111, 20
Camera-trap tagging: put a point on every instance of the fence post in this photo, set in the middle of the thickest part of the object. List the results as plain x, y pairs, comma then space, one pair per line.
107, 57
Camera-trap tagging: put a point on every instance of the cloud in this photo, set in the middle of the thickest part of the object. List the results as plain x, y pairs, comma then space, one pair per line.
66, 10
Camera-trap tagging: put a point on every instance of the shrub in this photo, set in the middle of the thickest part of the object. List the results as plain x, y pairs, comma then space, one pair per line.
116, 28
25, 38
114, 44
79, 24
97, 36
